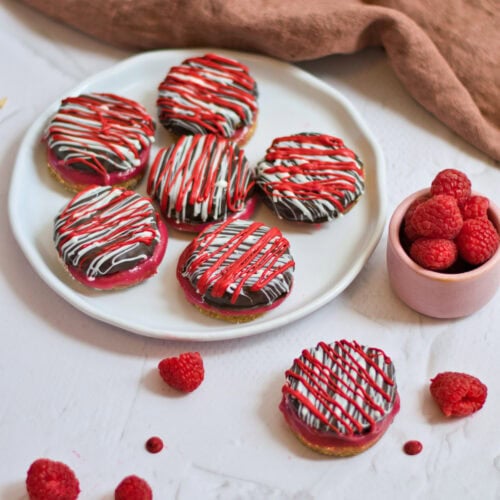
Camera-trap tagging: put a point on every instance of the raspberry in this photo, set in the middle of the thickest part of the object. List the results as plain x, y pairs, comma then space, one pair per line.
452, 182
133, 488
458, 394
476, 207
477, 241
438, 217
409, 230
184, 373
434, 253
50, 480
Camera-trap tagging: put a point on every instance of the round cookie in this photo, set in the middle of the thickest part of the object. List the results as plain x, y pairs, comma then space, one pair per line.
236, 270
210, 94
99, 139
202, 179
310, 177
340, 398
109, 237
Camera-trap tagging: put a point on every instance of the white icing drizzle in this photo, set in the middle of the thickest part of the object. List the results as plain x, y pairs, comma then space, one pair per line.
310, 177
209, 94
233, 255
200, 178
98, 129
347, 387
103, 228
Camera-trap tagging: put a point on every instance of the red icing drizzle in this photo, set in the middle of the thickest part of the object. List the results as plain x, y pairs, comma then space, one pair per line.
328, 178
93, 217
324, 385
120, 123
221, 81
239, 269
199, 175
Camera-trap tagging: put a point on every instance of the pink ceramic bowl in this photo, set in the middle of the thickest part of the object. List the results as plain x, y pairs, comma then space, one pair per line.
435, 294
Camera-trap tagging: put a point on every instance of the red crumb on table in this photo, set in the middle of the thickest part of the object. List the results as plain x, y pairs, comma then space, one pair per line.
154, 444
133, 488
184, 373
50, 480
413, 447
458, 394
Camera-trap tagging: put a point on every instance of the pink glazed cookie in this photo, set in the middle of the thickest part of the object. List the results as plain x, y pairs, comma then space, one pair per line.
210, 94
99, 139
110, 238
236, 270
202, 179
340, 398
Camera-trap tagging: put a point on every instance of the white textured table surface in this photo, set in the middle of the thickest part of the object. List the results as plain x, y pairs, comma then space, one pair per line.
77, 390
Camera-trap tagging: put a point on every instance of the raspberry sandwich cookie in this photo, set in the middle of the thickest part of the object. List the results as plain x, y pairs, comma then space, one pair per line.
202, 179
340, 398
110, 238
236, 270
211, 94
99, 139
310, 177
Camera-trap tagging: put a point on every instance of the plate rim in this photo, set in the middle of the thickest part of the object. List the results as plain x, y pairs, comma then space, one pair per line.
228, 331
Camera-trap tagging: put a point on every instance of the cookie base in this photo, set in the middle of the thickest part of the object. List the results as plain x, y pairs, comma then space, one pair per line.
76, 188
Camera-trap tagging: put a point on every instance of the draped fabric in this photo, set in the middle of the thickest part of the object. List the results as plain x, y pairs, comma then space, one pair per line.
446, 53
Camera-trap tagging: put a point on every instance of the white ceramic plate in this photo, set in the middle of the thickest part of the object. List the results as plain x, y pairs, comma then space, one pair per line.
327, 258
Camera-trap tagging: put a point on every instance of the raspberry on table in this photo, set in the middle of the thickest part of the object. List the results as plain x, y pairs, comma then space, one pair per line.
477, 241
184, 373
413, 447
475, 207
435, 254
133, 488
51, 480
458, 394
437, 217
452, 182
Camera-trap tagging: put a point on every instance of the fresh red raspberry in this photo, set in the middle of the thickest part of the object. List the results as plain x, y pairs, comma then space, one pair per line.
458, 394
50, 480
452, 182
477, 241
133, 488
475, 207
184, 373
436, 254
438, 217
410, 231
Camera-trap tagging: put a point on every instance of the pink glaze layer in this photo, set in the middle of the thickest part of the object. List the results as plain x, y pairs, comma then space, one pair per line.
78, 178
330, 442
132, 276
245, 214
197, 300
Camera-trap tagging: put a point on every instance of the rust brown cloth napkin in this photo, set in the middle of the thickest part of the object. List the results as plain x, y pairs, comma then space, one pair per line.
445, 52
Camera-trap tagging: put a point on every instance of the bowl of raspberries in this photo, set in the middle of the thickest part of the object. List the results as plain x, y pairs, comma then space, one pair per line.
443, 255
